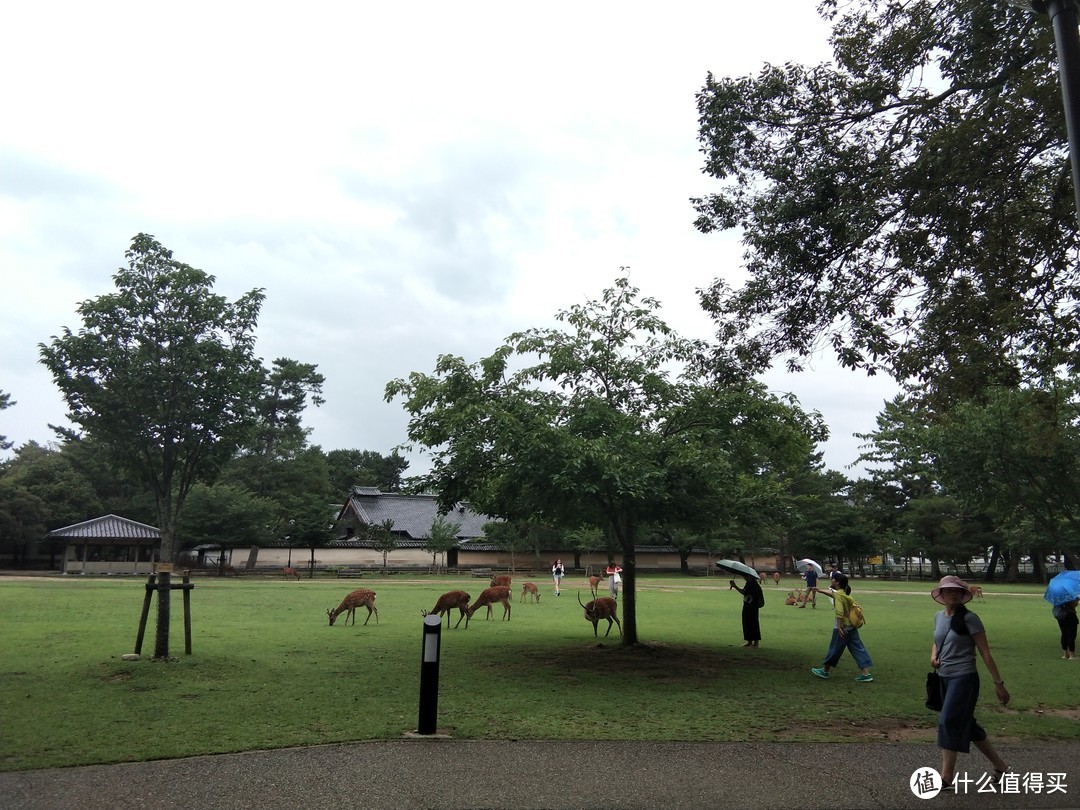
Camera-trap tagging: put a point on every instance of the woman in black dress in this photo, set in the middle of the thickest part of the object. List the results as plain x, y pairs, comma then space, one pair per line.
753, 600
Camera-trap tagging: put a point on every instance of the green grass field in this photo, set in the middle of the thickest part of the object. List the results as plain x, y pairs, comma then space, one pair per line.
267, 670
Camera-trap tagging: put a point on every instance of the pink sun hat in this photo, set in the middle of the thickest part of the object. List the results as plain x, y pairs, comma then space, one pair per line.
951, 582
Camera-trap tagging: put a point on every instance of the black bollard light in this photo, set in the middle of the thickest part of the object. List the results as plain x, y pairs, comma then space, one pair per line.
429, 675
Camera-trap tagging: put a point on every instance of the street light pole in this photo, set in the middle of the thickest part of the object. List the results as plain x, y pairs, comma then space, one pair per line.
1064, 16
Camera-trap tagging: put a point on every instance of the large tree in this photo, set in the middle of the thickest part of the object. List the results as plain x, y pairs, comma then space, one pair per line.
163, 375
1017, 457
68, 495
365, 468
228, 516
908, 204
614, 427
287, 388
441, 538
163, 371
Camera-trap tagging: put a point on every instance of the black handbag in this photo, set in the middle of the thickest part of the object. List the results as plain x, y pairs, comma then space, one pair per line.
933, 691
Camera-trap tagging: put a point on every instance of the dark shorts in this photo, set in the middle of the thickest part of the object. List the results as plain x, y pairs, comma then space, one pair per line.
957, 727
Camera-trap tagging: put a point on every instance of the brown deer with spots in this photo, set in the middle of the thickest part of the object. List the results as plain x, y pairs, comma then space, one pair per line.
529, 588
603, 608
501, 580
492, 596
348, 606
446, 605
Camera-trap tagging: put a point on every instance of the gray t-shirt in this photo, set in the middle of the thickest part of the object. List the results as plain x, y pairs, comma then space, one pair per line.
955, 651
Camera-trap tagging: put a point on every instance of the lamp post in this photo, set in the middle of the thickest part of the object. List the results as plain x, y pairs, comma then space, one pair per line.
1063, 14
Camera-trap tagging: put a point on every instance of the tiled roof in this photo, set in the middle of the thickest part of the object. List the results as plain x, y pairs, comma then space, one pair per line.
109, 527
412, 514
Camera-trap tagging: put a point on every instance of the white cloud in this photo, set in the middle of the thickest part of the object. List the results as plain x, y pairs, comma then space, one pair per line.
404, 180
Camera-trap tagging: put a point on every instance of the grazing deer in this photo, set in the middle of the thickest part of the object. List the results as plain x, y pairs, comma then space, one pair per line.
500, 580
499, 594
446, 604
976, 592
594, 584
529, 588
360, 598
290, 572
603, 608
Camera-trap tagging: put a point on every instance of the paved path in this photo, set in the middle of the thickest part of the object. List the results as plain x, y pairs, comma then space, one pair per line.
438, 773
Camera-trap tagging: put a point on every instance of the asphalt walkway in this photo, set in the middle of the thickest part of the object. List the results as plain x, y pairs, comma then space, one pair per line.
440, 773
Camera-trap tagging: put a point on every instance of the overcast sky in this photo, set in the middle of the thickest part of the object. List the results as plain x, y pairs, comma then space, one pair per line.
404, 180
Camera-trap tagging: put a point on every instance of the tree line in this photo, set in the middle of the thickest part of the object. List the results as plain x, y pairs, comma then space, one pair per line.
907, 206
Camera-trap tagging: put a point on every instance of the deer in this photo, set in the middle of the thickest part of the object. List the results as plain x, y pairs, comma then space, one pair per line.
603, 608
594, 584
529, 588
360, 598
290, 572
499, 594
500, 580
446, 604
976, 592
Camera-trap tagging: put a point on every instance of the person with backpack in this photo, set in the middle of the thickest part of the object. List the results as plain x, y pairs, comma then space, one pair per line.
845, 635
958, 633
753, 601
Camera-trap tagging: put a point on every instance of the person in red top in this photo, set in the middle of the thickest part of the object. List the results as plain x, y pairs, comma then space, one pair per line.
614, 579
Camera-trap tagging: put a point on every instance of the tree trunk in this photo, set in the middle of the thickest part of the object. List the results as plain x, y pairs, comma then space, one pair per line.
629, 597
168, 556
161, 642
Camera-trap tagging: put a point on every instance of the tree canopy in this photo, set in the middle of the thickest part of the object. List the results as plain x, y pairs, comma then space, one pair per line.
908, 204
613, 427
163, 374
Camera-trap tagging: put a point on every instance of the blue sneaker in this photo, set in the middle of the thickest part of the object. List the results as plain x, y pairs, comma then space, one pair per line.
864, 678
821, 673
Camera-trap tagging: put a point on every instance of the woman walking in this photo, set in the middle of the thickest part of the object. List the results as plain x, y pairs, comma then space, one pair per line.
753, 600
558, 571
844, 636
1067, 621
958, 633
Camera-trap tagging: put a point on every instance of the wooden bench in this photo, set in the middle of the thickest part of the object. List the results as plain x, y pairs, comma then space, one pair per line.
349, 572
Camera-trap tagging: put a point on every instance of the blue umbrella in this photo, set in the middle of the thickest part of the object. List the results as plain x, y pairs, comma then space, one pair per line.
1065, 587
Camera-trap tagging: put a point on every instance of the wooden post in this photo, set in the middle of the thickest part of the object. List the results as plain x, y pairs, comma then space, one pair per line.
145, 614
163, 588
187, 586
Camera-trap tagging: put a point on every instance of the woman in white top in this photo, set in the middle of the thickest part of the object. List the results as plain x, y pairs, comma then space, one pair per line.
557, 573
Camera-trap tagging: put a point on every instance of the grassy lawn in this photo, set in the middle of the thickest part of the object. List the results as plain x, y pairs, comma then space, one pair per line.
267, 670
